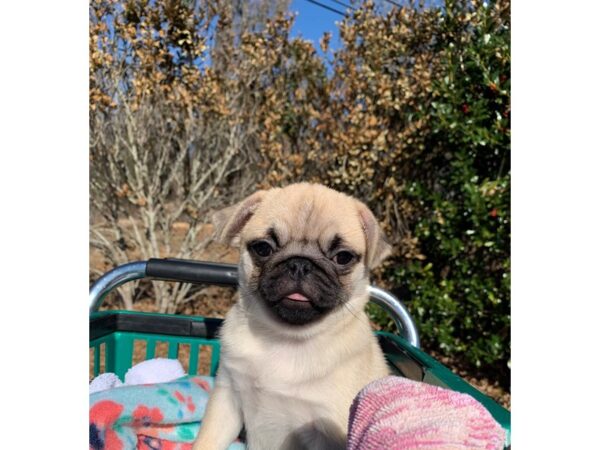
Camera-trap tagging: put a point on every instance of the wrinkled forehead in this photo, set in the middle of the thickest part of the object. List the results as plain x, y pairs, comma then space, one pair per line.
307, 216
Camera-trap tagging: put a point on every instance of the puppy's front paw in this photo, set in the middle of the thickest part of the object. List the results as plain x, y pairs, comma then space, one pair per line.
202, 444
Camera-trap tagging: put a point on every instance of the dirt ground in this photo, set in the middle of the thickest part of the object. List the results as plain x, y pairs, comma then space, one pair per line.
214, 301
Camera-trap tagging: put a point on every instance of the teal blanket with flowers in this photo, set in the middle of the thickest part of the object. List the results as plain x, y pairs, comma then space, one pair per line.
162, 416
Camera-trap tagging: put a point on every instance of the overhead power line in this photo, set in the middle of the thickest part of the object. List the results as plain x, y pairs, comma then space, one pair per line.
343, 4
337, 11
394, 3
338, 2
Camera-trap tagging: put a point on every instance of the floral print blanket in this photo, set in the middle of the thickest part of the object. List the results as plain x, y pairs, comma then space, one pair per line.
163, 416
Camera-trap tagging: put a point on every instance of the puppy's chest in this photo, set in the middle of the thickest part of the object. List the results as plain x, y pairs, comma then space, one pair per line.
272, 377
274, 369
287, 391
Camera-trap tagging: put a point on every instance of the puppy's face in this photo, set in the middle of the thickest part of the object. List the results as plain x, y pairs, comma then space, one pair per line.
305, 249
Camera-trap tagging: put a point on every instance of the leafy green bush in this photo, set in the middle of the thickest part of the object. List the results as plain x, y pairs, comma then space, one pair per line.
459, 291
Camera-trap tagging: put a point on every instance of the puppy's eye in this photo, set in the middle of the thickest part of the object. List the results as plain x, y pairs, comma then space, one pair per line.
261, 248
343, 258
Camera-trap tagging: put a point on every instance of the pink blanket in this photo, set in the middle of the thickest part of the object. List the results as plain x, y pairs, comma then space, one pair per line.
399, 414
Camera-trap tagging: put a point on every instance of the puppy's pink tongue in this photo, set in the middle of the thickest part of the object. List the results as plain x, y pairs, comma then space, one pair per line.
297, 297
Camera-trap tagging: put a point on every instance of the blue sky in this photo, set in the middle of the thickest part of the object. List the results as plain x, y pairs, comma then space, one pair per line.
312, 21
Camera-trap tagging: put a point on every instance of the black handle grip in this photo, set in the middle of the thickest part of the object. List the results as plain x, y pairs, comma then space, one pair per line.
188, 271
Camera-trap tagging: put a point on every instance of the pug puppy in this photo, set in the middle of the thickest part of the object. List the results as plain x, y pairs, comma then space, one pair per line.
297, 347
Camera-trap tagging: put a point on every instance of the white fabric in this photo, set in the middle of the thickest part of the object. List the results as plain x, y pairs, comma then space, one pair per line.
104, 381
157, 370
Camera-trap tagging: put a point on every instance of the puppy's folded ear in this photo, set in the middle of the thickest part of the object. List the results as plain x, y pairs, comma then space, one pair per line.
230, 221
377, 247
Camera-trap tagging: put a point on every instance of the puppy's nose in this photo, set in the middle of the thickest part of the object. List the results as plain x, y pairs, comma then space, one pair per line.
298, 268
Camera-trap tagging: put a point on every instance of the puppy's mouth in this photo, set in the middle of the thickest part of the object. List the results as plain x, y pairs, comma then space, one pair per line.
297, 297
297, 307
296, 300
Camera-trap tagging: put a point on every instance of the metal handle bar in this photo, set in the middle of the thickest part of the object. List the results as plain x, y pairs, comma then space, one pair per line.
200, 272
